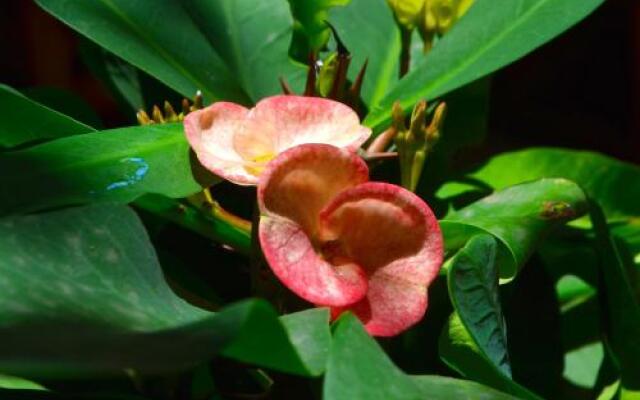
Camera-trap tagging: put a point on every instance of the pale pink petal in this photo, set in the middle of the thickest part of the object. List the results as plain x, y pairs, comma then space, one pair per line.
280, 122
210, 133
291, 192
394, 236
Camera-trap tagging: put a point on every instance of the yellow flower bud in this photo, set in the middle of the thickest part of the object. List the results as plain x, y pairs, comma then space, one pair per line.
407, 12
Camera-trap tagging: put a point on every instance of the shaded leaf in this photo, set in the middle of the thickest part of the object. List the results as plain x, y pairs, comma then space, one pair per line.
621, 305
252, 38
359, 369
458, 350
473, 287
159, 38
82, 293
485, 39
22, 120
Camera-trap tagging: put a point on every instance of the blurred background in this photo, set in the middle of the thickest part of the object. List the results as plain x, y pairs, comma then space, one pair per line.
581, 90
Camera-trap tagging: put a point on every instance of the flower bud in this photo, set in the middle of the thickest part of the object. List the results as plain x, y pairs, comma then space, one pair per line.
407, 12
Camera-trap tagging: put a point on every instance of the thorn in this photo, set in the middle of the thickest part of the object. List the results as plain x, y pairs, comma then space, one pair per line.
286, 89
356, 87
353, 97
157, 115
310, 87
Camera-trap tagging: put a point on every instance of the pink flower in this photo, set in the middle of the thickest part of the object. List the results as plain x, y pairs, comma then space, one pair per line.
337, 240
236, 143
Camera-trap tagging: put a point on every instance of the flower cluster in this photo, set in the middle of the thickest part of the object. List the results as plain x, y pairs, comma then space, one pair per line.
329, 235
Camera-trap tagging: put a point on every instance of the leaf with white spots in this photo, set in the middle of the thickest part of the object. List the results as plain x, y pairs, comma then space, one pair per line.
81, 291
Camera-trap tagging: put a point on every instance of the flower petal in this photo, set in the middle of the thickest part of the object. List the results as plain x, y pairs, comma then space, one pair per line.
395, 237
280, 122
301, 181
291, 192
210, 133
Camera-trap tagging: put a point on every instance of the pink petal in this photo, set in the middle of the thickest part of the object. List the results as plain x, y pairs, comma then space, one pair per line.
291, 192
395, 237
280, 122
210, 133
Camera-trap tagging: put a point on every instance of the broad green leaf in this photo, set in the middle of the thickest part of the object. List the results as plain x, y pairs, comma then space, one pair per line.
602, 177
359, 369
488, 37
22, 120
620, 301
310, 32
252, 38
159, 38
473, 287
82, 293
459, 351
115, 165
518, 216
368, 30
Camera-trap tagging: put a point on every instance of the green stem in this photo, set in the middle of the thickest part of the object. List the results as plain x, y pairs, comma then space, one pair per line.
217, 225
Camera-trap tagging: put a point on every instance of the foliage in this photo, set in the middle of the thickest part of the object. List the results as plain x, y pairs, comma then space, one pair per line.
97, 289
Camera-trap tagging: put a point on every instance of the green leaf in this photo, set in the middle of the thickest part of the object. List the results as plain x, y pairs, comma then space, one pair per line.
486, 38
582, 365
310, 31
81, 292
159, 38
14, 382
620, 302
115, 165
369, 32
473, 287
65, 102
359, 369
121, 78
458, 350
252, 38
518, 216
22, 120
602, 177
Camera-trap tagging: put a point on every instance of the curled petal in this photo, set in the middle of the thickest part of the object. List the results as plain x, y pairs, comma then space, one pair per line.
210, 133
394, 236
280, 122
292, 190
298, 265
302, 180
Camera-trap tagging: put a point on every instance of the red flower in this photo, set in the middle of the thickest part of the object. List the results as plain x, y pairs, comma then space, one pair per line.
337, 240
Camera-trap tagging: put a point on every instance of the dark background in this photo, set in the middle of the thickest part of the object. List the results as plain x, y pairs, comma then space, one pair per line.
582, 90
